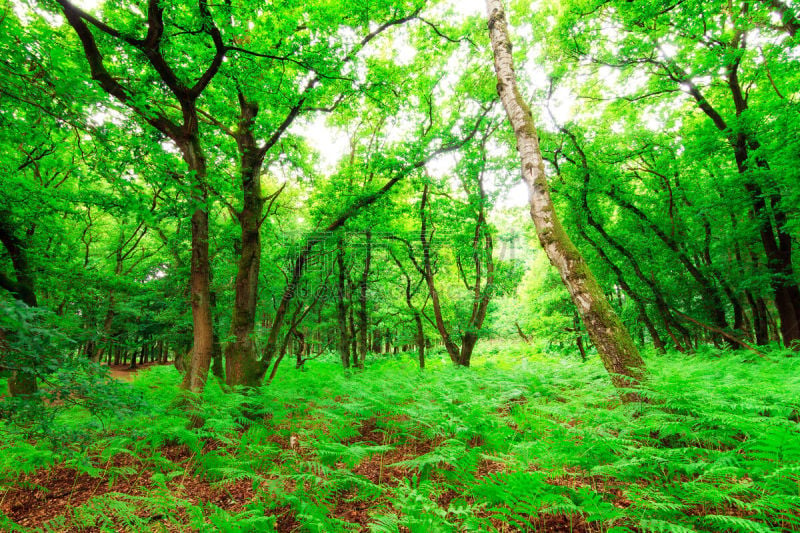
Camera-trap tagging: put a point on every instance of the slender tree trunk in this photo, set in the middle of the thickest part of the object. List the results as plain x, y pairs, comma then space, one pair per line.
614, 344
301, 350
482, 294
576, 325
351, 323
108, 321
760, 324
217, 364
363, 323
420, 339
775, 332
521, 333
281, 354
341, 309
449, 344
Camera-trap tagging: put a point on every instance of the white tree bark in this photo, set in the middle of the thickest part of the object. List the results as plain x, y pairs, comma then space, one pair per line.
614, 343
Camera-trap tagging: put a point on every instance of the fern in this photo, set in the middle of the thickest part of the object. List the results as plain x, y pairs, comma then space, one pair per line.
523, 439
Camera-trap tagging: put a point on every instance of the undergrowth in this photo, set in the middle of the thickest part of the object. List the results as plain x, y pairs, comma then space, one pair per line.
520, 442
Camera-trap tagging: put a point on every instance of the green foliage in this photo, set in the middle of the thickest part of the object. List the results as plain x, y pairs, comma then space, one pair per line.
96, 224
520, 439
76, 398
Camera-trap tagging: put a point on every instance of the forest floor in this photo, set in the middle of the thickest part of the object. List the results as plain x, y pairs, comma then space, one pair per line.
520, 442
126, 373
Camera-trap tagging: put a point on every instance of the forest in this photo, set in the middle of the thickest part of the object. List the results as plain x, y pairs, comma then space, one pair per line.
399, 266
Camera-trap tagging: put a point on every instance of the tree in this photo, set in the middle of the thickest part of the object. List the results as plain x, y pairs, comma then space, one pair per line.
616, 348
722, 67
184, 132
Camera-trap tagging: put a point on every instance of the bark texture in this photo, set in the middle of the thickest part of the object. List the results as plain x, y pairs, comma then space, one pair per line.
614, 344
242, 366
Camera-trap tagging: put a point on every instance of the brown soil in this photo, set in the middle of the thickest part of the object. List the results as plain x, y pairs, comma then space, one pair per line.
37, 498
34, 500
126, 373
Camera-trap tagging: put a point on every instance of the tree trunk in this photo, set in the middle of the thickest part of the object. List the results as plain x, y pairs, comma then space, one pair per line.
614, 344
217, 363
481, 294
341, 309
576, 325
132, 366
92, 352
362, 304
200, 276
760, 323
301, 350
351, 323
427, 271
420, 338
521, 333
467, 347
242, 365
775, 333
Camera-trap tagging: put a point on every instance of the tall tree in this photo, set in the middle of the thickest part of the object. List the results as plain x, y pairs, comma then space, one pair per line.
183, 131
614, 344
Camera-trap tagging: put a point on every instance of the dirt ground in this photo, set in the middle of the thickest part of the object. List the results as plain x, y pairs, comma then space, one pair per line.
125, 373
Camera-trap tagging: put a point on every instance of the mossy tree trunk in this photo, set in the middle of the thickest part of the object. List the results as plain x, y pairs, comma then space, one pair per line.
614, 343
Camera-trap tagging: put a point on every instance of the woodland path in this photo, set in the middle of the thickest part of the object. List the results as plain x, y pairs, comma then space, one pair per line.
126, 373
